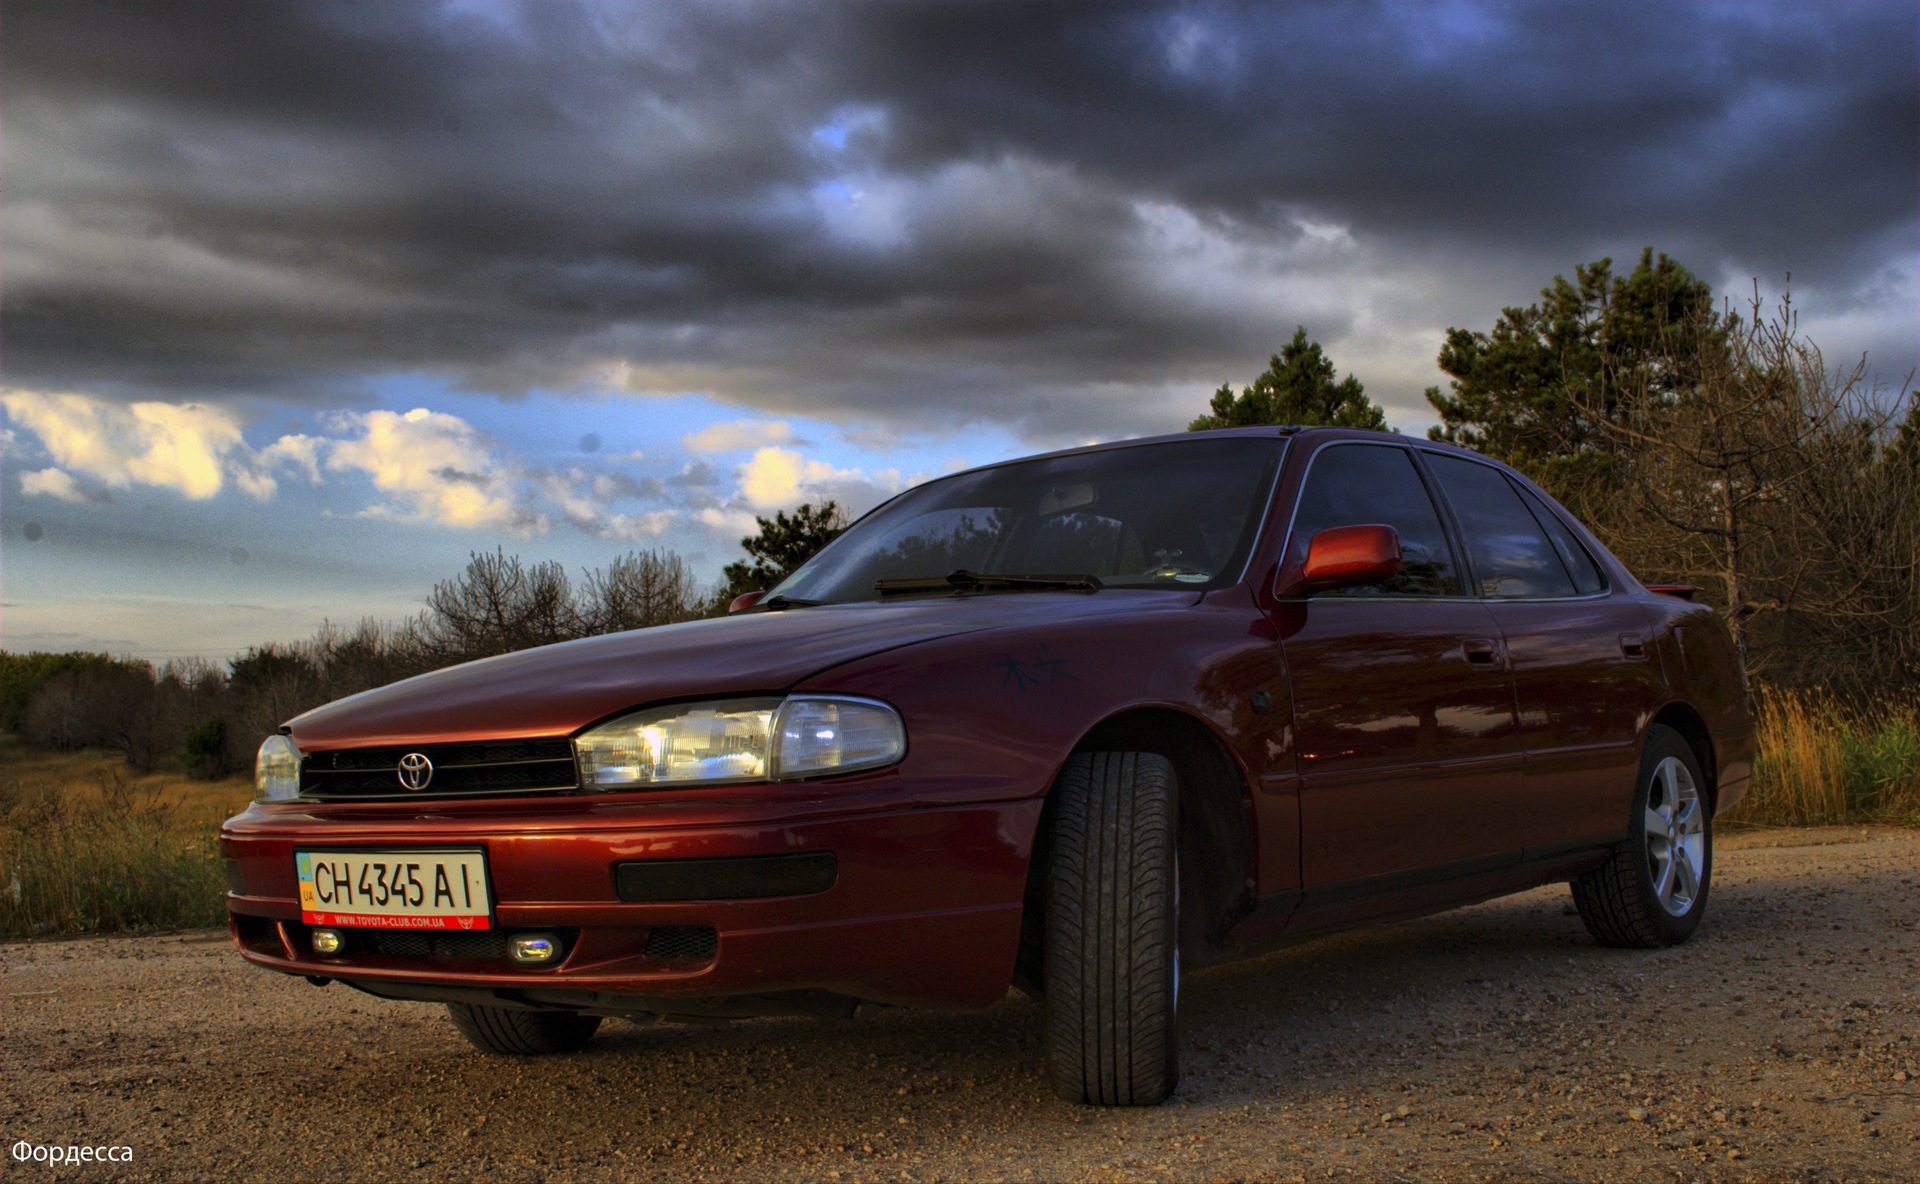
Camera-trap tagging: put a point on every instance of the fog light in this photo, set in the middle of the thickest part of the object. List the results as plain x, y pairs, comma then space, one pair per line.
328, 942
534, 949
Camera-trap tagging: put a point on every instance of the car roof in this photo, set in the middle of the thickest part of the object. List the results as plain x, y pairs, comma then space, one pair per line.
1306, 435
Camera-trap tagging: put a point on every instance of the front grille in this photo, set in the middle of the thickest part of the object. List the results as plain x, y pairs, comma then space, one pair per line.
415, 944
483, 769
680, 942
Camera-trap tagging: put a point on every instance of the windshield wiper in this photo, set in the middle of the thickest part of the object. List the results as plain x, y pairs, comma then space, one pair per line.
780, 602
967, 581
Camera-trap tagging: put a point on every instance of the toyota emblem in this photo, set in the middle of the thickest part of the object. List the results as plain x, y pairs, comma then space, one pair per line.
415, 770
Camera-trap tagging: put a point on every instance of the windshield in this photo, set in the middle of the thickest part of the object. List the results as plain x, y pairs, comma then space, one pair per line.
1175, 515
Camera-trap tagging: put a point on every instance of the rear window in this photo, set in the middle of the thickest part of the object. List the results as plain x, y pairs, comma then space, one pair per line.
1512, 558
1587, 579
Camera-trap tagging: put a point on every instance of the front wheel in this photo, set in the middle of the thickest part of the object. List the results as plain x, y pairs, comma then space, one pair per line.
1112, 973
511, 1031
1653, 891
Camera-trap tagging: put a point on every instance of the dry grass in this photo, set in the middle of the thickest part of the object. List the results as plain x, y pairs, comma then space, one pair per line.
1825, 763
85, 847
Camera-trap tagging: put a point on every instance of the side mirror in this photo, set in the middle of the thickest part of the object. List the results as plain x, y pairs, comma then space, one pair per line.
1342, 556
745, 601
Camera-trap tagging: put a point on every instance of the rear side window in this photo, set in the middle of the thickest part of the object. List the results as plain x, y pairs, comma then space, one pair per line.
1510, 552
1364, 484
1586, 573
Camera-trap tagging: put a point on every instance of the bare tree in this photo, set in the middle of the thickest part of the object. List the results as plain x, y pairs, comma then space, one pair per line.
112, 705
214, 720
498, 605
638, 590
1775, 481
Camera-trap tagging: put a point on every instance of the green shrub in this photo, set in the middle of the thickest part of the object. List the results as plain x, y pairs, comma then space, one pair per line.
203, 750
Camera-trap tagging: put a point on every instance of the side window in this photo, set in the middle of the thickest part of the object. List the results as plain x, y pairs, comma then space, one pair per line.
1360, 484
1586, 573
1510, 551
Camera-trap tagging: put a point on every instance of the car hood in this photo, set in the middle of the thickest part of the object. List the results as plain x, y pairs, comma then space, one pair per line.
558, 689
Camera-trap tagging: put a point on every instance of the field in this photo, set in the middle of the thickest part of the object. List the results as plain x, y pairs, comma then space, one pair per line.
88, 846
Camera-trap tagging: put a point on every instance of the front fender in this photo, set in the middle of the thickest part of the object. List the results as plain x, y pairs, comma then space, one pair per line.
992, 716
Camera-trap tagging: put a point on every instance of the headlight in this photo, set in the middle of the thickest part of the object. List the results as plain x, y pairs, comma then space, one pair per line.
833, 735
740, 740
276, 771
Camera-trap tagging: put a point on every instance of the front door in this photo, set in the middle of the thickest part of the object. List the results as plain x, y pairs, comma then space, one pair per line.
1403, 704
1403, 717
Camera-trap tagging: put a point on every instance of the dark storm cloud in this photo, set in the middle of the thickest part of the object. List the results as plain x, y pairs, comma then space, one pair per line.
1772, 130
891, 211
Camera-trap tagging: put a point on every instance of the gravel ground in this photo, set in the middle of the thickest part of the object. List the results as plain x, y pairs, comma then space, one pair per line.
1490, 1043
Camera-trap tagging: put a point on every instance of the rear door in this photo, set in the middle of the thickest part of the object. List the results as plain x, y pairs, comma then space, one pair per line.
1583, 683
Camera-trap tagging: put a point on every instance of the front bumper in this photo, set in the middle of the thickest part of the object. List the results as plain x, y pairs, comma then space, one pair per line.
924, 906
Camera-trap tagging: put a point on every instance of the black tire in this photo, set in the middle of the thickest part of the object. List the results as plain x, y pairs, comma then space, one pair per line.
1111, 964
513, 1032
1652, 892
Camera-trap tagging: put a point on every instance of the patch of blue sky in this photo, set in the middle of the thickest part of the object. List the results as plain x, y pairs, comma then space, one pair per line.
645, 435
851, 120
214, 575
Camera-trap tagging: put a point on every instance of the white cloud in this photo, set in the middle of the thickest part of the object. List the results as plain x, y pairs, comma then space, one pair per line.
427, 466
781, 478
60, 484
738, 435
733, 523
190, 447
636, 527
255, 484
300, 452
774, 476
437, 467
583, 500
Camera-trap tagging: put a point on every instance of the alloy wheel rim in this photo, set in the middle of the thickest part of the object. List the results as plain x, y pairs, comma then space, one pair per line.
1676, 837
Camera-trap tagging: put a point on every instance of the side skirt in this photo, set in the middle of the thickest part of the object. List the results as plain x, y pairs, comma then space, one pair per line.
1295, 915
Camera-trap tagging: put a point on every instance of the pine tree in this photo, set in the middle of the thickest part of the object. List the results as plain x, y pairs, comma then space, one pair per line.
1297, 388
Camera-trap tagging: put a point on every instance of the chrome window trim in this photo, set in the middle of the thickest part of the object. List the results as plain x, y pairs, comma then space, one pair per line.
1293, 515
1553, 508
1260, 530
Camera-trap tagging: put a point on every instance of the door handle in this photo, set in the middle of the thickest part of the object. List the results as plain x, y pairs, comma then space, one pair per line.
1482, 653
1634, 647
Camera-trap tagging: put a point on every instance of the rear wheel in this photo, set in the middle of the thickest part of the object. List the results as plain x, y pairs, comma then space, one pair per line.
514, 1032
1112, 973
1653, 891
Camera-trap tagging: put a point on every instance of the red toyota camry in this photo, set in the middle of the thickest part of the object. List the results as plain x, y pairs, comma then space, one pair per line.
1074, 722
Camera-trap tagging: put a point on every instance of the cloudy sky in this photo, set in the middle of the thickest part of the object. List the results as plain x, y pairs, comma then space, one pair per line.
304, 302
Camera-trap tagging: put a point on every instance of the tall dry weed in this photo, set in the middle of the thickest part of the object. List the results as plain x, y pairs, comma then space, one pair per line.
1825, 762
120, 858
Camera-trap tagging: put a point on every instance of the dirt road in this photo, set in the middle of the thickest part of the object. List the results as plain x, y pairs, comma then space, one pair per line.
1490, 1043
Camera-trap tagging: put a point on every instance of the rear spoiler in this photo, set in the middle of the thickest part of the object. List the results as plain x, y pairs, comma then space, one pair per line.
1683, 591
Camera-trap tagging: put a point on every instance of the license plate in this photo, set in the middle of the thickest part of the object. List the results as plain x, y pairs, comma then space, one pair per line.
395, 889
